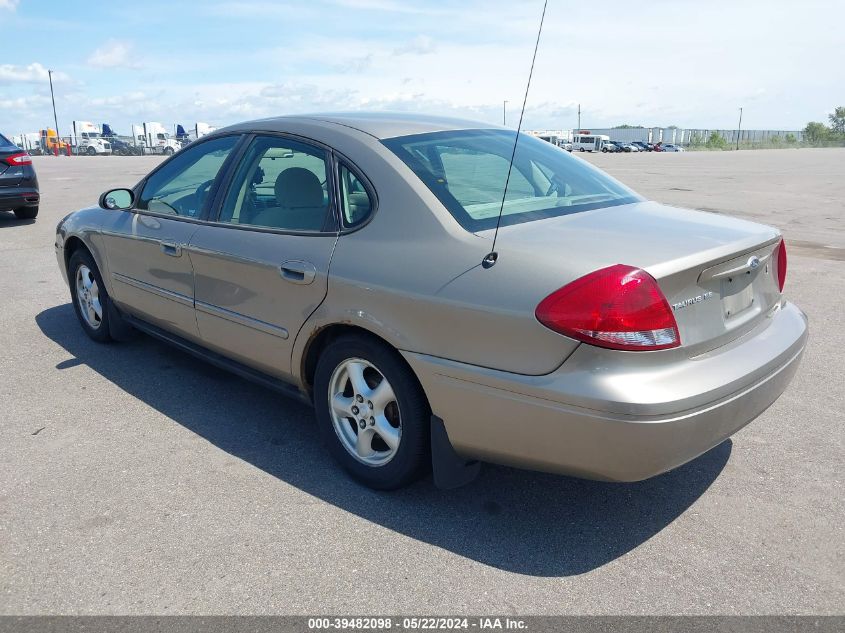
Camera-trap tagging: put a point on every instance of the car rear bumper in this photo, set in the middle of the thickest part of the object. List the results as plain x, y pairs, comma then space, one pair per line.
615, 416
17, 197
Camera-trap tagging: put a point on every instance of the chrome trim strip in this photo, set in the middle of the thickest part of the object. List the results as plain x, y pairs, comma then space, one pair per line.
161, 292
240, 319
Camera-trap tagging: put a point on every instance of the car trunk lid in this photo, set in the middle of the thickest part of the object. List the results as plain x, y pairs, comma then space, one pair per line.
10, 176
717, 273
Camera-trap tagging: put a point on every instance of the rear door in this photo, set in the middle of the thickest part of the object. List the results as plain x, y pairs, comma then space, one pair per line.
262, 268
152, 276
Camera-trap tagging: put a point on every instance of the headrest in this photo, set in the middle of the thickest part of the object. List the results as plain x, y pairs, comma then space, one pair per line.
298, 187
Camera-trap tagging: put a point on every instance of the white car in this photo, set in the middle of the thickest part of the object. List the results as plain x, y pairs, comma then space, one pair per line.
669, 147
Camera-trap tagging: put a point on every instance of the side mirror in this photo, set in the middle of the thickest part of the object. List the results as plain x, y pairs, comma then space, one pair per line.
117, 199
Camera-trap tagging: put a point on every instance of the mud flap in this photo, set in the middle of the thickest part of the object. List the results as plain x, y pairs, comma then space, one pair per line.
119, 328
450, 469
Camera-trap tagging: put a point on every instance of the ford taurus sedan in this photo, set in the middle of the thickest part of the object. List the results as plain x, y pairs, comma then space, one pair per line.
338, 258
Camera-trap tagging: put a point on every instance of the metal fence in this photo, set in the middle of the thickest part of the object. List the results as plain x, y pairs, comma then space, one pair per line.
681, 136
72, 146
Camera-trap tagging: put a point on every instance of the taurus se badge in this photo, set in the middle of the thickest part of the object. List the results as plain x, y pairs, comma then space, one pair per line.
692, 300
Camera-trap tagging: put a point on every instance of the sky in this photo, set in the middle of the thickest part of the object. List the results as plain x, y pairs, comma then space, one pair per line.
655, 63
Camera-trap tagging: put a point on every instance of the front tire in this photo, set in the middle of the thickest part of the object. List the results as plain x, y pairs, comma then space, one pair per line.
372, 413
89, 296
26, 213
91, 151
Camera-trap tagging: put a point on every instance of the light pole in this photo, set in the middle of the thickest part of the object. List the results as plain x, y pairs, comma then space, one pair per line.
504, 113
739, 129
53, 98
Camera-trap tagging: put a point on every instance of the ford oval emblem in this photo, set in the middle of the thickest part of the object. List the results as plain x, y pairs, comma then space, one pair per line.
753, 262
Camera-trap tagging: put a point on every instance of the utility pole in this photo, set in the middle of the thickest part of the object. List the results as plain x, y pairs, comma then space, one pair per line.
53, 98
579, 117
739, 128
504, 113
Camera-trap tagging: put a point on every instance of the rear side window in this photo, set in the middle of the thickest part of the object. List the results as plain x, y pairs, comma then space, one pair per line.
355, 201
467, 170
280, 184
181, 186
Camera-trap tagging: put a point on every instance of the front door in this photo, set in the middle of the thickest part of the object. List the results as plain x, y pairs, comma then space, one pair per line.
262, 268
151, 271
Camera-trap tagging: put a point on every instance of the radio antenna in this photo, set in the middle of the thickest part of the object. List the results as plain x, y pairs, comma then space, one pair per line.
492, 257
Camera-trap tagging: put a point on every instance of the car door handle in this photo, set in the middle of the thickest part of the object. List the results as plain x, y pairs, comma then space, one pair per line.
298, 272
172, 249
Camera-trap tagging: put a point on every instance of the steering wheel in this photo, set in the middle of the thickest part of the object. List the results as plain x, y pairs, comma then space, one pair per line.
201, 193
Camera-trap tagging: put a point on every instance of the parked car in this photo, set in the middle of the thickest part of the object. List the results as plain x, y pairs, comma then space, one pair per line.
122, 148
611, 147
18, 182
626, 147
642, 146
345, 259
671, 147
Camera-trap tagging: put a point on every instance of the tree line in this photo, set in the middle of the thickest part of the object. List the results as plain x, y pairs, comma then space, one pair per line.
820, 134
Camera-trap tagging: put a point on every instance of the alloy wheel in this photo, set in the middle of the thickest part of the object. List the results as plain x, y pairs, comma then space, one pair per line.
88, 297
365, 412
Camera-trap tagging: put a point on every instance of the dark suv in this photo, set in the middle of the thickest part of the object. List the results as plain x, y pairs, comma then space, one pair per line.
18, 183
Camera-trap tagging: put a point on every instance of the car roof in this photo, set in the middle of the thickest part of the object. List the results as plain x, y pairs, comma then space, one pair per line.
380, 125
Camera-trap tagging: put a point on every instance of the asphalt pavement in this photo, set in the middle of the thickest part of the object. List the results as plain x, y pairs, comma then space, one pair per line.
137, 480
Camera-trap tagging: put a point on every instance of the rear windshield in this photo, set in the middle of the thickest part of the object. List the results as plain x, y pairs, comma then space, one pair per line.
5, 141
467, 169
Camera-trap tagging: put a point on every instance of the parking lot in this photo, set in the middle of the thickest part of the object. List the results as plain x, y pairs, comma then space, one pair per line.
135, 479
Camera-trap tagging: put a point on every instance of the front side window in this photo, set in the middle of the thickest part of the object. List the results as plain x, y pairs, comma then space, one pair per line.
467, 169
355, 202
181, 186
280, 184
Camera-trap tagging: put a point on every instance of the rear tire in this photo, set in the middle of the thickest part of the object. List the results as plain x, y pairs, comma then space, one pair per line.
357, 376
26, 213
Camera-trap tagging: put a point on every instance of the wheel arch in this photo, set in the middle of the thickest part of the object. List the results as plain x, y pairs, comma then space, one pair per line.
72, 243
322, 337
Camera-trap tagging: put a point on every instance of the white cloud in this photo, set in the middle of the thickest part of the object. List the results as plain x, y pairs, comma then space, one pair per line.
420, 45
113, 54
33, 73
11, 5
388, 6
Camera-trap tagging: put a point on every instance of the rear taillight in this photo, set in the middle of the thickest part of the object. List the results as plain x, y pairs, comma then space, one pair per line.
619, 307
780, 266
18, 159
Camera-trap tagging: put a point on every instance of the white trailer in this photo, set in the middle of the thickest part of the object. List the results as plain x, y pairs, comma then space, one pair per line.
157, 139
29, 142
87, 139
201, 129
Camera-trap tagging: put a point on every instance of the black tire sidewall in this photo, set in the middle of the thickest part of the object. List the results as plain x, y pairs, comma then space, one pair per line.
26, 213
80, 257
413, 458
